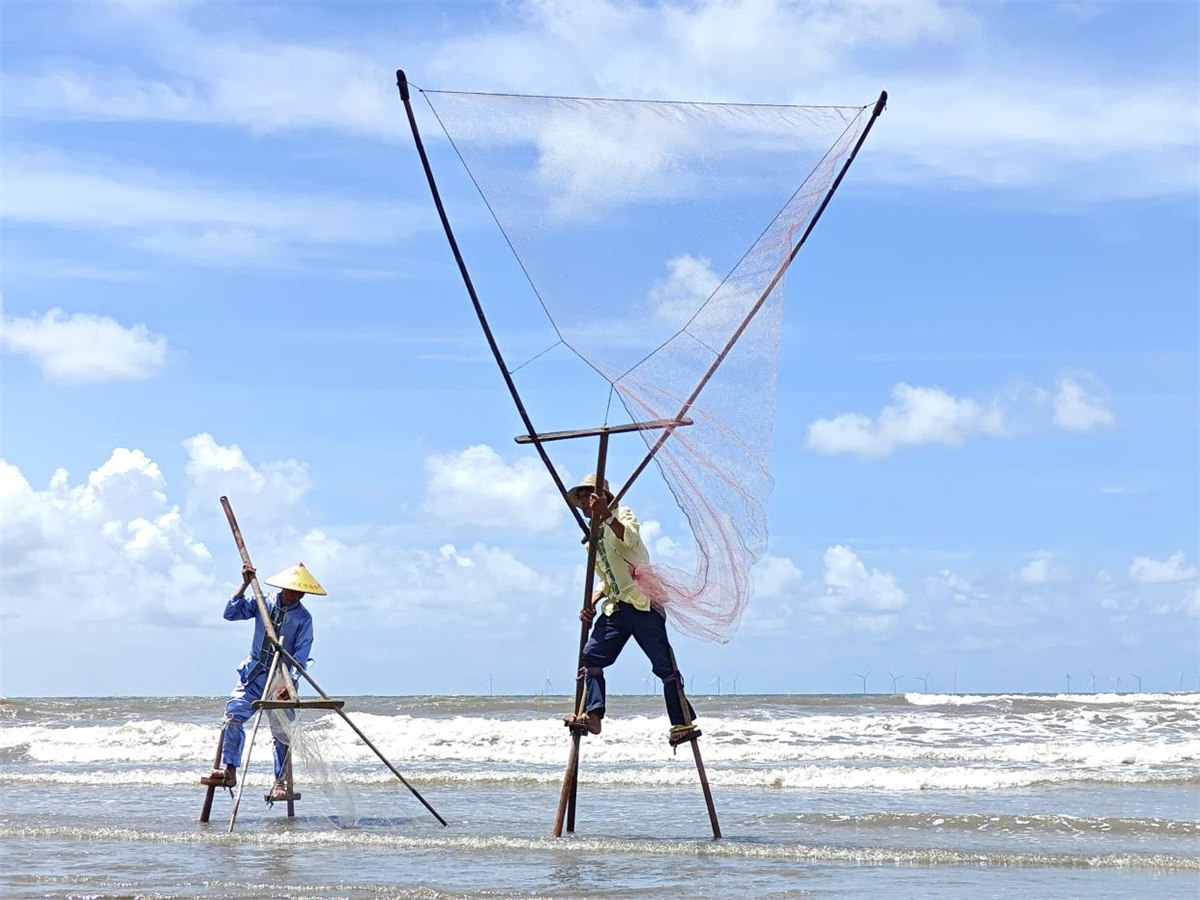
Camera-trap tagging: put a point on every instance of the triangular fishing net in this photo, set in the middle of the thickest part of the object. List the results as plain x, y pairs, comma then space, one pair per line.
655, 236
318, 762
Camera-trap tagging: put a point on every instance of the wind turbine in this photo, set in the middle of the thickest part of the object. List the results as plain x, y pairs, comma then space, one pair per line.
1093, 674
1181, 682
548, 686
717, 682
1117, 679
1139, 679
735, 678
924, 679
864, 680
954, 690
1068, 681
646, 683
489, 683
895, 678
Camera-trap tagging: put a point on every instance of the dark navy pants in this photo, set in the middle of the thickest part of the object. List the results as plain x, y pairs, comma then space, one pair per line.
609, 636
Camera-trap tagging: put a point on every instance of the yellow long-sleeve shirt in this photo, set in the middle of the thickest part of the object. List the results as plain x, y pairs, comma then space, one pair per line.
615, 557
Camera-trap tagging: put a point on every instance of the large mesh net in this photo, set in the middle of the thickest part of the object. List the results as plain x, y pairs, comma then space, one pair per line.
655, 236
316, 758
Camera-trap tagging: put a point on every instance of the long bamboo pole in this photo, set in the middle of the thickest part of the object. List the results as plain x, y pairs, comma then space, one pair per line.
402, 84
704, 379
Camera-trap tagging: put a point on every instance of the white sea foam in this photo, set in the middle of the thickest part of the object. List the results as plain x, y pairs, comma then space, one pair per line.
1185, 698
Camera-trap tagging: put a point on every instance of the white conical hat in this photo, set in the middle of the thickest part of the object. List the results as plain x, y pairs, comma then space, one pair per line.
296, 578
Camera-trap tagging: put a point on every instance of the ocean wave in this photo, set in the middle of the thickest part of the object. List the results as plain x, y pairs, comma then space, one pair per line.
1077, 743
607, 846
886, 779
1007, 824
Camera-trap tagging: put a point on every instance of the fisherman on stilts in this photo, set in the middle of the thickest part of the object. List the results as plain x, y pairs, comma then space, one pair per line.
293, 623
624, 612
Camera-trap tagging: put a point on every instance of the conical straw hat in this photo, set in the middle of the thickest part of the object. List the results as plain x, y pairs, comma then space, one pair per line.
296, 578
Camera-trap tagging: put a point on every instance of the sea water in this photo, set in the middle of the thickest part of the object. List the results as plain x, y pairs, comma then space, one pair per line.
919, 795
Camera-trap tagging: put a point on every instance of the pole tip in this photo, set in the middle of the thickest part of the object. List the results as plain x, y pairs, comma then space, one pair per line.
881, 103
402, 83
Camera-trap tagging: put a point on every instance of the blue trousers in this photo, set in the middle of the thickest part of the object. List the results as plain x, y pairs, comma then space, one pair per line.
237, 711
608, 638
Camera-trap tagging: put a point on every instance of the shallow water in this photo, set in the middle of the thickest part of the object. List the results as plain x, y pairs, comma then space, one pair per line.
1094, 796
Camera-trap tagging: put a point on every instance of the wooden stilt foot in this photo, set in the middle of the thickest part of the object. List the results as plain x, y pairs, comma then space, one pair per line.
210, 782
564, 795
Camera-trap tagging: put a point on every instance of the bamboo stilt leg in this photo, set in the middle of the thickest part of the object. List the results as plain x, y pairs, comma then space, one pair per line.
567, 795
250, 748
212, 788
287, 774
695, 742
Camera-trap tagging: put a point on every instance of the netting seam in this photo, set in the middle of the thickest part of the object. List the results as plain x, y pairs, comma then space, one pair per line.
724, 104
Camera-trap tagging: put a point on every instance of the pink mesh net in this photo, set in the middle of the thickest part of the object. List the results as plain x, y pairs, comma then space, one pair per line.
631, 221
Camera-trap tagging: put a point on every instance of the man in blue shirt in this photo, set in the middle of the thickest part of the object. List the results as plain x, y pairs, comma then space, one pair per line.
293, 625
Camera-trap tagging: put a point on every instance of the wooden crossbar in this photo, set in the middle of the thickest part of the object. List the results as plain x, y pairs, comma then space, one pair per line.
298, 704
604, 429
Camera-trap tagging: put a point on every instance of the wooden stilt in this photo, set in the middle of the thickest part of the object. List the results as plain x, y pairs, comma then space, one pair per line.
237, 801
694, 740
567, 795
212, 783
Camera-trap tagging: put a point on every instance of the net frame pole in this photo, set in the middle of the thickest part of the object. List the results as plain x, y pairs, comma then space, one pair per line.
880, 104
402, 84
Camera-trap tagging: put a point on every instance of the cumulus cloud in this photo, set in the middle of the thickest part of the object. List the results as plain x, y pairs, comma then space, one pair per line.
864, 599
662, 547
114, 546
264, 493
110, 546
947, 584
777, 577
1077, 408
931, 415
83, 348
1040, 570
1174, 568
690, 280
916, 416
477, 487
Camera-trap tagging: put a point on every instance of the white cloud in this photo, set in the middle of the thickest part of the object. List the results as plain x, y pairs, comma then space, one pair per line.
1078, 409
182, 217
690, 281
115, 547
1174, 568
1040, 570
776, 577
112, 546
477, 487
266, 493
916, 416
866, 599
1092, 131
662, 547
950, 585
930, 415
83, 348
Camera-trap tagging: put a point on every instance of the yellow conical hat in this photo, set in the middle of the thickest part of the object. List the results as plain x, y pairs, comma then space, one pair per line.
296, 578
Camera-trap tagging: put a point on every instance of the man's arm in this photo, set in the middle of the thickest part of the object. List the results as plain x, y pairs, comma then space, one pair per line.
240, 606
302, 647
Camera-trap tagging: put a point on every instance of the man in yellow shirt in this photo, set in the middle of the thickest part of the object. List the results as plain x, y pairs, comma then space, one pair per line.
624, 611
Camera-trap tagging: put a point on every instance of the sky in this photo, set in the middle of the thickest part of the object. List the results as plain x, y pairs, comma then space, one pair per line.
222, 274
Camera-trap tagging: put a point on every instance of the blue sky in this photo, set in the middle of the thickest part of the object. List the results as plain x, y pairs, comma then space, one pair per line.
222, 273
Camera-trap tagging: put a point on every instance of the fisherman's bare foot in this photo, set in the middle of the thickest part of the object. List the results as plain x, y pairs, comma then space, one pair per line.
590, 723
230, 774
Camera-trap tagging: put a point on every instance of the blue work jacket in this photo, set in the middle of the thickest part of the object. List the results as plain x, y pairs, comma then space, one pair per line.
295, 633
